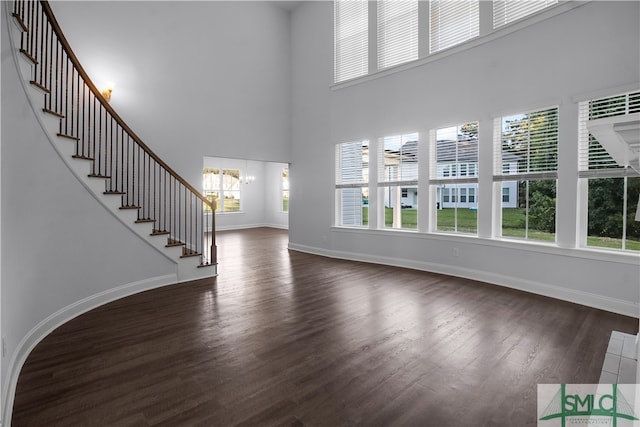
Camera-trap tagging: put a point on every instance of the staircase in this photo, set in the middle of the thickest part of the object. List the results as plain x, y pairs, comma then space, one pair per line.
106, 156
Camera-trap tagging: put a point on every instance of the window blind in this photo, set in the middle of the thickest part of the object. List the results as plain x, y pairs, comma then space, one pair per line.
351, 48
352, 164
507, 11
397, 32
528, 146
398, 160
452, 22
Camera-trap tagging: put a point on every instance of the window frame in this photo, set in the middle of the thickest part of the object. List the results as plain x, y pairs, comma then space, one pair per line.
351, 183
525, 177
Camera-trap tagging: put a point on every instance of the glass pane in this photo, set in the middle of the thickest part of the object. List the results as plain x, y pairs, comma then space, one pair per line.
457, 208
354, 206
231, 201
401, 207
605, 225
633, 218
285, 190
529, 211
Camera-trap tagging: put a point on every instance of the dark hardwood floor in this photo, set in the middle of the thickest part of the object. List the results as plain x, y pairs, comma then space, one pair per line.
286, 338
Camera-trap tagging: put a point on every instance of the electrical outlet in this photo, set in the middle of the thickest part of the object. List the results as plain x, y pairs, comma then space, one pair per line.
4, 347
456, 252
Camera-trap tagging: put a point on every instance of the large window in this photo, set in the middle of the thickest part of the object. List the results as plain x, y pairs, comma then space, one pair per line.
612, 191
398, 180
223, 187
396, 27
397, 32
454, 174
352, 183
351, 21
507, 11
526, 164
452, 22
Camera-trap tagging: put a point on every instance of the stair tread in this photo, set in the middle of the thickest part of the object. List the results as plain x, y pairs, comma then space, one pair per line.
130, 207
190, 254
48, 111
62, 135
20, 22
94, 175
31, 59
159, 232
114, 193
39, 86
76, 156
207, 265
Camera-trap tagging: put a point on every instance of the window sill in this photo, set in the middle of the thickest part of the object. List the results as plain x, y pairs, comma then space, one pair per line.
619, 256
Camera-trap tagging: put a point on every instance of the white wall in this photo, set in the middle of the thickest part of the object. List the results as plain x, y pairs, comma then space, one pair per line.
60, 247
192, 79
589, 49
259, 205
273, 214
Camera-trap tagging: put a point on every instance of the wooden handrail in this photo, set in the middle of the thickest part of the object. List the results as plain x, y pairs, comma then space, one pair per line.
46, 7
131, 169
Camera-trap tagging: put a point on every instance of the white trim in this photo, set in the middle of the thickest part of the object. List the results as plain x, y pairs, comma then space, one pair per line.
605, 93
64, 315
584, 298
596, 254
246, 226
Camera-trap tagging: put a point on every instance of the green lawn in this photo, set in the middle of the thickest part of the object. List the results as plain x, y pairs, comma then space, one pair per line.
467, 220
513, 225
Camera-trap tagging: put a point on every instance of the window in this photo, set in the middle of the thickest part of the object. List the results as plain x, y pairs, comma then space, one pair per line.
456, 151
612, 191
507, 11
352, 183
351, 48
452, 22
223, 188
398, 174
285, 190
397, 32
506, 195
528, 144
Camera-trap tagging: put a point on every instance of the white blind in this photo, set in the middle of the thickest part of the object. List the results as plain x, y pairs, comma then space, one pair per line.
351, 48
528, 145
507, 11
592, 156
352, 164
456, 153
452, 22
398, 159
397, 32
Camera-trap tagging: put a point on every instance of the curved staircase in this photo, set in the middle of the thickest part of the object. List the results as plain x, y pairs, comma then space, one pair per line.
105, 155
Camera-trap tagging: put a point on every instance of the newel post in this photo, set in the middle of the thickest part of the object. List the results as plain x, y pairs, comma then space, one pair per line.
214, 255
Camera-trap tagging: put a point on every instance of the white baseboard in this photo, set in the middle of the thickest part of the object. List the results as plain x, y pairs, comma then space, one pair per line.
48, 325
601, 302
246, 226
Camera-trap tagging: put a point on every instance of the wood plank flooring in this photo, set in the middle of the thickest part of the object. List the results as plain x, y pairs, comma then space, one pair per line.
285, 338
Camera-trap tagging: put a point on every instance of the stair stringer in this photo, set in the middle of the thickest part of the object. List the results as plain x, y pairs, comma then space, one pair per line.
188, 268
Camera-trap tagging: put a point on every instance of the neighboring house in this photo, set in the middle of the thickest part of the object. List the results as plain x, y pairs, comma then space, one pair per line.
464, 164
